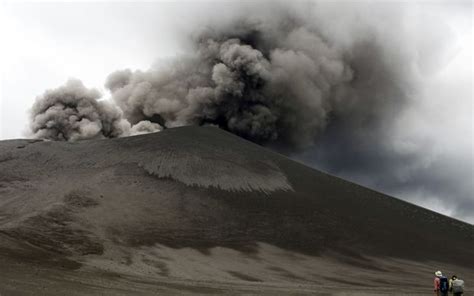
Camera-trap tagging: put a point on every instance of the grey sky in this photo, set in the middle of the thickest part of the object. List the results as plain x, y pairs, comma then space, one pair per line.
429, 159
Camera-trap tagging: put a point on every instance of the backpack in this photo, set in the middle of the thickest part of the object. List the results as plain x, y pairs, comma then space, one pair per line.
458, 286
443, 284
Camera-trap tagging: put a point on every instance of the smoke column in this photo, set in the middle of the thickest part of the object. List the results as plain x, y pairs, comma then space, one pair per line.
277, 81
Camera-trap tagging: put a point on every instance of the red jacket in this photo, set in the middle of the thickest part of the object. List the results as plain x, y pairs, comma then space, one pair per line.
436, 283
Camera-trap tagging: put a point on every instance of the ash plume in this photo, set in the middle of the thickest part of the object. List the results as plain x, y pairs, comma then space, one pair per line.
277, 80
72, 112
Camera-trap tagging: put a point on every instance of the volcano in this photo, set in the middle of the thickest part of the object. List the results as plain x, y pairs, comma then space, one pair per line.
197, 210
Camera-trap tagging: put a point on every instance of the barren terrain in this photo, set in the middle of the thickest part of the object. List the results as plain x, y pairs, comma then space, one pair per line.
198, 210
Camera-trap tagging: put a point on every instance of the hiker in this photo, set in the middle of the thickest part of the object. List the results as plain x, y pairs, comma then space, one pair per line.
441, 284
456, 286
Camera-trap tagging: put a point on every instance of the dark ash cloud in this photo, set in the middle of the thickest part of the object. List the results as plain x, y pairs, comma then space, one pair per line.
275, 81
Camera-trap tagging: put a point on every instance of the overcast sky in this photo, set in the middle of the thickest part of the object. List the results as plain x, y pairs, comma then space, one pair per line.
44, 44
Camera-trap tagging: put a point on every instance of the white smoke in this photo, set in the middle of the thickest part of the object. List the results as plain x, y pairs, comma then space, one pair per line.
145, 127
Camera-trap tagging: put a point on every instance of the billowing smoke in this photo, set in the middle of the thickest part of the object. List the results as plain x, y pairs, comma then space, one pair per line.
145, 127
273, 81
276, 80
73, 112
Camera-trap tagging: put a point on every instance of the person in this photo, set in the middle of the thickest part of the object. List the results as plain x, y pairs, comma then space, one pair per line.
441, 284
451, 283
456, 286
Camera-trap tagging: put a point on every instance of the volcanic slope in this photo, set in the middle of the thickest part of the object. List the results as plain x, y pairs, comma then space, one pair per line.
199, 210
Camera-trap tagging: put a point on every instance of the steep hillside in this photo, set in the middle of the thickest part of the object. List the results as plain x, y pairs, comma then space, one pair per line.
199, 210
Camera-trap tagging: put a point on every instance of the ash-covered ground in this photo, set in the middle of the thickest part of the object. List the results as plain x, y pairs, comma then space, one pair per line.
196, 210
